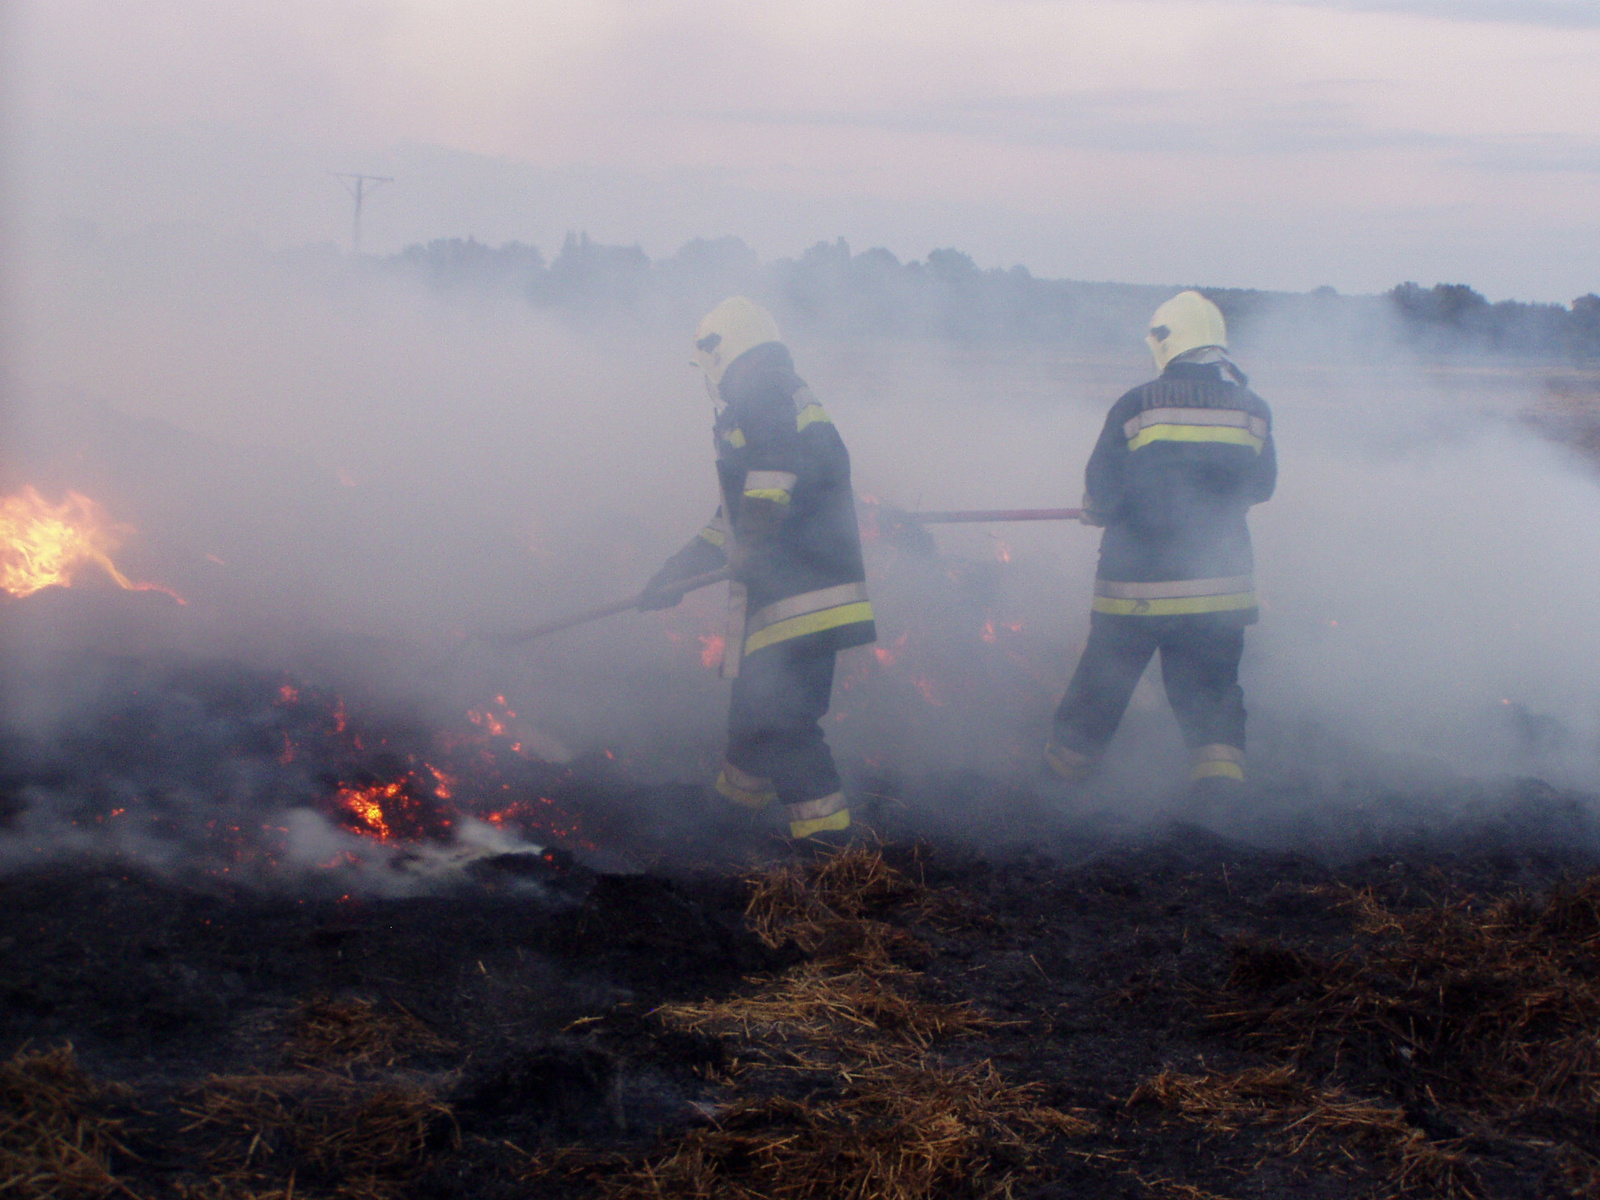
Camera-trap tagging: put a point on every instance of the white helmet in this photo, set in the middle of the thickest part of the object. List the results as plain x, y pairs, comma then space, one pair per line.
1186, 322
727, 331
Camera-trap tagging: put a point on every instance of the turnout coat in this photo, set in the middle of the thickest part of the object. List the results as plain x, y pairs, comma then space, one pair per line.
1179, 463
784, 475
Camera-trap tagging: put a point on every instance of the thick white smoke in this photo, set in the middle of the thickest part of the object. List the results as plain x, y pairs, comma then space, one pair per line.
345, 471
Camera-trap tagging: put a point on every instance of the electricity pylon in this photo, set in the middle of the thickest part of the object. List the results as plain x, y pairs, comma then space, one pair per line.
358, 189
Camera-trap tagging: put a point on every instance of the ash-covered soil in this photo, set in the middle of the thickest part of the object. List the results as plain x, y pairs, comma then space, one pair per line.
1177, 1015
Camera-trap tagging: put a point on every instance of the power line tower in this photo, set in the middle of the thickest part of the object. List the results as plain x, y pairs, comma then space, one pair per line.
358, 187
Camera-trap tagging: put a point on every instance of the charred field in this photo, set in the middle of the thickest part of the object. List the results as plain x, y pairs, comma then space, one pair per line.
261, 938
644, 997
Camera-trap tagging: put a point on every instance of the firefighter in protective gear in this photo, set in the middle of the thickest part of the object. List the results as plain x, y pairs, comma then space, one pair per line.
1172, 478
787, 527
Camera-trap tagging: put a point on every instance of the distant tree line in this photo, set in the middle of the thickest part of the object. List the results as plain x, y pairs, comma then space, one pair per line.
830, 289
1450, 315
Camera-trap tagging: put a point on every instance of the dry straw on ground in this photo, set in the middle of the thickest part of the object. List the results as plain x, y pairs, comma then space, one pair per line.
837, 1089
329, 1032
817, 1004
326, 1121
898, 1132
806, 903
54, 1140
1495, 1008
1307, 1117
1486, 1014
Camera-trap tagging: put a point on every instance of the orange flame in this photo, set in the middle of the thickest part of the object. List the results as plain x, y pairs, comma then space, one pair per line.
43, 545
365, 805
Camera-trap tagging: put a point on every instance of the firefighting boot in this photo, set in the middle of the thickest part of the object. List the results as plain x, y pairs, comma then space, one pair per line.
1062, 764
750, 792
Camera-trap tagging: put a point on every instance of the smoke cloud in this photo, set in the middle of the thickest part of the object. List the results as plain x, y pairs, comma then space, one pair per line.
347, 471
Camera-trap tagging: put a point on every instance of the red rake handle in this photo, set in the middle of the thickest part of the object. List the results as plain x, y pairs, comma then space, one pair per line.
974, 516
684, 586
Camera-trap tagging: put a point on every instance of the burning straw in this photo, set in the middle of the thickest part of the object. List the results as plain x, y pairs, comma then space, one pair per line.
52, 1141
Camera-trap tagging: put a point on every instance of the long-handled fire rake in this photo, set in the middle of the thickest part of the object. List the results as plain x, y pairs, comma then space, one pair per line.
694, 583
909, 530
682, 587
974, 516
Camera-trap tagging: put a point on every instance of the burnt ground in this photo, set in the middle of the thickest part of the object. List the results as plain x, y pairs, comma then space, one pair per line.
1175, 1016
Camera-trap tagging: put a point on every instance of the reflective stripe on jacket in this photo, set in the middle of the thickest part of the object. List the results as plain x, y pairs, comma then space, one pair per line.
1178, 464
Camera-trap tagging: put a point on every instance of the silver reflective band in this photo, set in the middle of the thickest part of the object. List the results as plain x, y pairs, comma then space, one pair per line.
1228, 417
811, 810
1218, 752
781, 481
806, 602
1177, 589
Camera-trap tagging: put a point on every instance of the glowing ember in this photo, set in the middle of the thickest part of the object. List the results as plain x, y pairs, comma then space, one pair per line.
500, 720
406, 798
711, 647
44, 545
887, 654
490, 721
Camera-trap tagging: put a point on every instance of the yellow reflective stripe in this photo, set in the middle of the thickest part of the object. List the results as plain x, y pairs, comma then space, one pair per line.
1235, 417
811, 414
830, 824
713, 535
742, 788
807, 602
1068, 763
769, 485
1216, 770
735, 438
1178, 606
1196, 433
813, 622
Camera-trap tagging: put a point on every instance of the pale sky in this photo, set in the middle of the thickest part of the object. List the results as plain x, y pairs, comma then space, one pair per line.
1269, 143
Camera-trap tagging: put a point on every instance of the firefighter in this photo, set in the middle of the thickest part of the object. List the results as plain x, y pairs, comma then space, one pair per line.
1172, 478
787, 529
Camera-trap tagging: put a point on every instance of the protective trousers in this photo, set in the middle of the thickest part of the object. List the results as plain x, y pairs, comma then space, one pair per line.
1199, 667
775, 741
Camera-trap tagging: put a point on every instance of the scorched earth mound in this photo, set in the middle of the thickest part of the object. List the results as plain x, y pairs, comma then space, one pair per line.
1187, 1019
